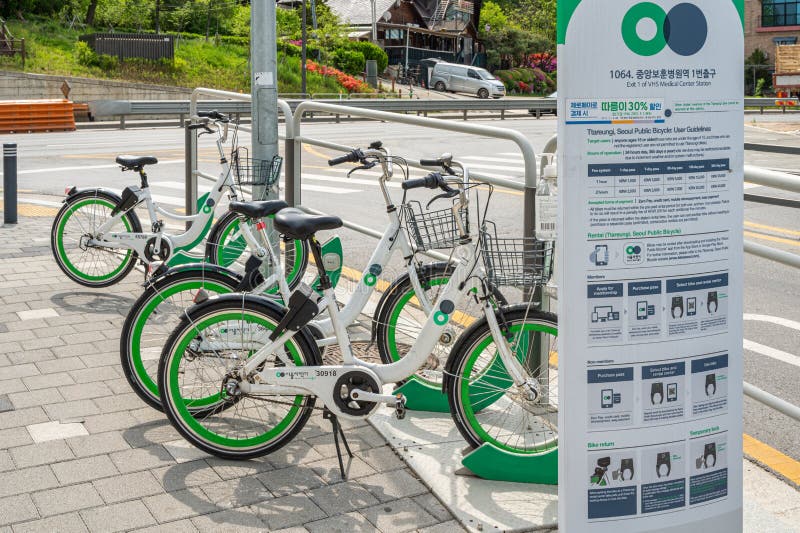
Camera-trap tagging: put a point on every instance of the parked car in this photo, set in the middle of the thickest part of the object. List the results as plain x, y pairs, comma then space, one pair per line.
465, 79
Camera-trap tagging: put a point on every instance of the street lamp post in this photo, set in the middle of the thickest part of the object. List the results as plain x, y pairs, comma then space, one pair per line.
303, 53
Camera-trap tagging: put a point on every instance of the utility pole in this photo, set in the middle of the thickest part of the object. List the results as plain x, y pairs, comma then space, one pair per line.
303, 53
264, 87
158, 17
374, 23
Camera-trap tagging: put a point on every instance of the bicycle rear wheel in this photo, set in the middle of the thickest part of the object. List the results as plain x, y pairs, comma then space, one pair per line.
156, 313
78, 221
485, 403
212, 341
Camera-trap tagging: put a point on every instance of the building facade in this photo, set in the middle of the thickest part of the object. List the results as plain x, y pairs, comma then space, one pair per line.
770, 23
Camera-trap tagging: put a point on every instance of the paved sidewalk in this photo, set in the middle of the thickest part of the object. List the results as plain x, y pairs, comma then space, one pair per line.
79, 451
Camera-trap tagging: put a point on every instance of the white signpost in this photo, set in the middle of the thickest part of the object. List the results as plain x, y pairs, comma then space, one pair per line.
650, 144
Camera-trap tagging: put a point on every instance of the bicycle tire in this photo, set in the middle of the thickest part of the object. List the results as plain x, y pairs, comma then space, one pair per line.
102, 202
250, 438
481, 392
139, 336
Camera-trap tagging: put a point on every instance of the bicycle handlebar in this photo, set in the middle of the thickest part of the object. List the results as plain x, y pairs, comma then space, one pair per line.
213, 115
351, 157
431, 181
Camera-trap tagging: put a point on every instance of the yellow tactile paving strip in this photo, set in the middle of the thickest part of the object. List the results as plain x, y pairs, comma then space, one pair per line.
772, 458
30, 210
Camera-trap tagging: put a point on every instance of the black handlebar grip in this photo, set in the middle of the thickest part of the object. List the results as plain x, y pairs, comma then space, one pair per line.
196, 126
431, 181
430, 162
213, 114
352, 157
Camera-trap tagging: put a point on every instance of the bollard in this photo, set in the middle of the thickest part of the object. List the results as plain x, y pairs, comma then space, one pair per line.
10, 183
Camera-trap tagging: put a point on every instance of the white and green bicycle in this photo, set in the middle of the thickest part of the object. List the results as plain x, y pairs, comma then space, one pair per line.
159, 308
240, 375
97, 236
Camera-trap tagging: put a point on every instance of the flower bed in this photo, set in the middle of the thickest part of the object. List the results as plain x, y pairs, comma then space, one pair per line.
353, 85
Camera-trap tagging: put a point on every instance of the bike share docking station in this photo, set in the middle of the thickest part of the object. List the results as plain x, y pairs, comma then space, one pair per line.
491, 461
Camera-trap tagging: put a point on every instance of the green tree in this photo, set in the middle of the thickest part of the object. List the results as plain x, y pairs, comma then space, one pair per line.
492, 15
509, 47
539, 16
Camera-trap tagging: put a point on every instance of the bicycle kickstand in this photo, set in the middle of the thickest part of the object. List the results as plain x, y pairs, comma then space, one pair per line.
337, 431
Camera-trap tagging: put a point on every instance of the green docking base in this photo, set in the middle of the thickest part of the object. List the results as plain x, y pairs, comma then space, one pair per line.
490, 462
423, 397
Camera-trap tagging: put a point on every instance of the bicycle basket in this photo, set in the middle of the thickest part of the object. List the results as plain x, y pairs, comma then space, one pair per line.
519, 262
249, 171
431, 230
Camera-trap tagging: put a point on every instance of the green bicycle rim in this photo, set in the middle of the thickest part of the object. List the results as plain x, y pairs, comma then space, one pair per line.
466, 402
392, 325
136, 334
60, 241
183, 411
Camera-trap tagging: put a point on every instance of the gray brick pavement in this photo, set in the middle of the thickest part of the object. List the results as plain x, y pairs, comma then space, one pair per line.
59, 363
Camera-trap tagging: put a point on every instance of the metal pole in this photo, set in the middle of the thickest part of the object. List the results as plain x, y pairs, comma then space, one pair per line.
374, 23
406, 58
264, 87
770, 400
190, 138
303, 54
10, 183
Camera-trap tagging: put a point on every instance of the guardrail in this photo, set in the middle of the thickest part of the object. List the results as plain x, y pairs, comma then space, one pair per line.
181, 108
293, 158
761, 103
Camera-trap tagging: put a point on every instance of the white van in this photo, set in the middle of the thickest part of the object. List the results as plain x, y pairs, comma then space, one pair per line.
465, 79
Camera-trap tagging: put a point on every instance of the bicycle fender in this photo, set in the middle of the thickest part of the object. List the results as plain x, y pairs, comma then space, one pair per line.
237, 298
187, 267
75, 193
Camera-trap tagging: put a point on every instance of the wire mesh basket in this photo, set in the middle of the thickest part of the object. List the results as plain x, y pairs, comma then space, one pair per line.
250, 171
515, 262
431, 230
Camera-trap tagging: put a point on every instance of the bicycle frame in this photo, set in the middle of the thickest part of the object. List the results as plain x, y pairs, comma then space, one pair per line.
320, 380
393, 239
180, 245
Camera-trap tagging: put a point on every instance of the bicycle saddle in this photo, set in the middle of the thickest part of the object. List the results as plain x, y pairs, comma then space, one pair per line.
257, 209
296, 224
136, 161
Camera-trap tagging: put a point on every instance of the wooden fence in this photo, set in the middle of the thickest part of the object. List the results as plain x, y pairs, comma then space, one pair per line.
127, 45
9, 46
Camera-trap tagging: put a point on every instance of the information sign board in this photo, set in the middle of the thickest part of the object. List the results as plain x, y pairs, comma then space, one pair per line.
650, 145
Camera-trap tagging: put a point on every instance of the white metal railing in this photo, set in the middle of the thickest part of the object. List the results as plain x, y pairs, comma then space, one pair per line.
293, 141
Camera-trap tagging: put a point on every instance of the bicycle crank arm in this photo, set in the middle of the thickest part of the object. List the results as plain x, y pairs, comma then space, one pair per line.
364, 396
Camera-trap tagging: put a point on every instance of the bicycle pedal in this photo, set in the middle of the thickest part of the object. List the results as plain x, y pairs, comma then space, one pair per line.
400, 407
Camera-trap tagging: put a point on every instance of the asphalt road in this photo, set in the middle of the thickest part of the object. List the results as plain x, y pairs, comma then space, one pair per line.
49, 162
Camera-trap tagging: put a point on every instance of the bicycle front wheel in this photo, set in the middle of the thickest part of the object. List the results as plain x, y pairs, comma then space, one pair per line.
400, 317
485, 403
76, 223
156, 313
211, 342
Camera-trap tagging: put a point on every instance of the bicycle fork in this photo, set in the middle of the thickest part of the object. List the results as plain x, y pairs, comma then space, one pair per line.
528, 385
